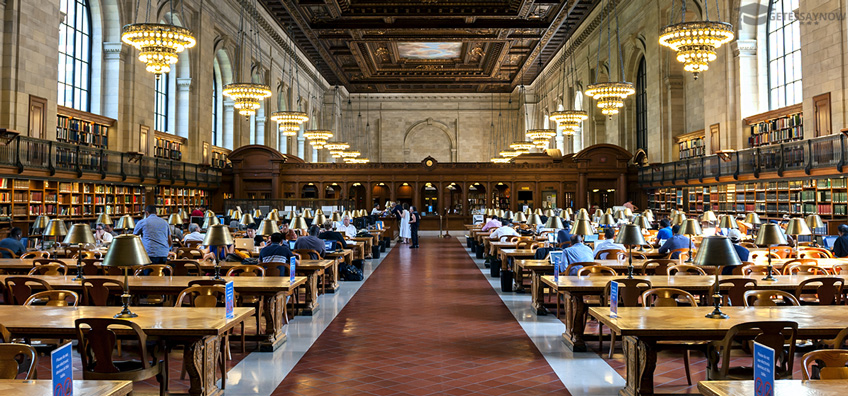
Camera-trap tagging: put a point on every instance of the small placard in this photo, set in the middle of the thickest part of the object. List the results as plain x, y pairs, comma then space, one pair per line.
292, 270
556, 261
763, 370
229, 292
614, 299
378, 224
63, 371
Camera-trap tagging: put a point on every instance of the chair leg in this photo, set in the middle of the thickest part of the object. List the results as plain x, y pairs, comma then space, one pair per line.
686, 366
243, 348
600, 337
612, 343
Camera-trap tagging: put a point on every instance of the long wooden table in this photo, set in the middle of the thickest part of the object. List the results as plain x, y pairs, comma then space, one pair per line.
782, 387
575, 288
198, 328
273, 289
641, 328
81, 387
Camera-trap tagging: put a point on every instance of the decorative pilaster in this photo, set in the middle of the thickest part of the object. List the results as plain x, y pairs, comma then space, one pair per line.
182, 106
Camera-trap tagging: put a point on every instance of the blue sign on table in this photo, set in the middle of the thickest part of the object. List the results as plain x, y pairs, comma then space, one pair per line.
229, 293
763, 370
292, 269
556, 261
378, 224
614, 299
63, 371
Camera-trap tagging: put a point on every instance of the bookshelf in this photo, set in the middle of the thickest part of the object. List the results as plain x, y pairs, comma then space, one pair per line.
78, 127
168, 146
172, 199
219, 158
691, 145
777, 126
476, 198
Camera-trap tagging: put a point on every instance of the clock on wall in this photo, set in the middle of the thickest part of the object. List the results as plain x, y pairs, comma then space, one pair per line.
429, 162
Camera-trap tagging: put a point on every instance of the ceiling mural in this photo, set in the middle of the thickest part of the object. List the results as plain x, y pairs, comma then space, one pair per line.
404, 46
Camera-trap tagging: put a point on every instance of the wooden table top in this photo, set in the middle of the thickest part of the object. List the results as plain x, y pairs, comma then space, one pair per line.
518, 252
18, 264
676, 323
81, 387
782, 387
154, 321
254, 284
685, 282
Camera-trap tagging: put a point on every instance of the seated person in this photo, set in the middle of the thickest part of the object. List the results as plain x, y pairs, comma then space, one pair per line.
740, 250
576, 253
100, 234
348, 229
108, 228
177, 232
329, 235
607, 243
194, 234
258, 240
677, 241
311, 241
665, 233
564, 235
504, 230
13, 243
276, 251
493, 223
840, 245
288, 233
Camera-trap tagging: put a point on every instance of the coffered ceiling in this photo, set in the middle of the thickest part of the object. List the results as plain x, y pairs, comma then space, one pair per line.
429, 45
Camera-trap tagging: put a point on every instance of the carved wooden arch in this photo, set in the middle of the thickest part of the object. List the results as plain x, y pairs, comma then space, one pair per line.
587, 152
429, 122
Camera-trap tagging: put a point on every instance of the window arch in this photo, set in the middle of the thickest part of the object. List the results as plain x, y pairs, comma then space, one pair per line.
74, 80
641, 106
160, 103
783, 46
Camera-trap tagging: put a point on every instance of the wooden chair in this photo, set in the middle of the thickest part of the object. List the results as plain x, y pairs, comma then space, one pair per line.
96, 291
763, 255
829, 364
735, 296
638, 256
610, 254
185, 267
838, 269
192, 244
829, 292
748, 245
92, 267
49, 269
576, 265
311, 253
597, 270
97, 341
53, 298
804, 269
670, 297
44, 261
737, 270
782, 251
8, 252
629, 292
675, 254
659, 266
35, 255
778, 335
765, 298
756, 269
17, 358
19, 288
806, 261
189, 253
837, 343
254, 302
686, 269
811, 252
155, 270
208, 296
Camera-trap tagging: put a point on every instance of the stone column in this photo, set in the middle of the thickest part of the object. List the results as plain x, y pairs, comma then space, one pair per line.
284, 144
183, 104
300, 148
260, 129
228, 124
749, 89
112, 61
676, 112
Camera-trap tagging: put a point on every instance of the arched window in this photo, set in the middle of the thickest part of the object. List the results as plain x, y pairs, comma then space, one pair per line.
214, 110
75, 55
783, 46
160, 104
641, 107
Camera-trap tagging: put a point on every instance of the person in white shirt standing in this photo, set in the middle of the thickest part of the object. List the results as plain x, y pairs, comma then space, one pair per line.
348, 229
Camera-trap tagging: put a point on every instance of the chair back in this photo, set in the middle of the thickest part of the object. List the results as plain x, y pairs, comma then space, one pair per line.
675, 254
311, 253
192, 244
830, 364
805, 269
629, 291
828, 292
660, 266
274, 268
20, 288
189, 253
738, 287
155, 270
583, 264
667, 297
96, 291
782, 251
207, 282
757, 269
35, 255
838, 269
185, 267
49, 269
758, 255
17, 358
91, 267
777, 335
596, 270
765, 298
97, 341
812, 252
804, 261
54, 298
246, 270
737, 270
202, 296
686, 269
8, 252
610, 254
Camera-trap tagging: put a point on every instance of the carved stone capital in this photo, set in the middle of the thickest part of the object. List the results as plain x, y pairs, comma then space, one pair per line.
184, 84
744, 47
113, 50
674, 82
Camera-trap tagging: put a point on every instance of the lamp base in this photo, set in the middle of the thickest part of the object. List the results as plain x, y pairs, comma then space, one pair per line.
716, 314
124, 315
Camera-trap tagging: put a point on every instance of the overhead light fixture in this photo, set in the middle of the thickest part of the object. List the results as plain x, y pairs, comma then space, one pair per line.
159, 44
541, 137
501, 160
246, 96
318, 138
350, 154
696, 42
336, 148
610, 95
289, 122
521, 146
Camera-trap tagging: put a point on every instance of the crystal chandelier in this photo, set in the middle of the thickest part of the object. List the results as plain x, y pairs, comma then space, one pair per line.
610, 95
497, 160
289, 122
522, 146
541, 137
696, 42
158, 44
318, 137
336, 148
246, 96
569, 120
350, 154
511, 153
356, 160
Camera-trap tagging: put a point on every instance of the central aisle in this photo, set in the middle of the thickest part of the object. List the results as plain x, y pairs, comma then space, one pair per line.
426, 322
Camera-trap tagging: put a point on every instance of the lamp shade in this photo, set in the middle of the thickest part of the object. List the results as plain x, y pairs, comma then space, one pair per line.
717, 251
565, 216
554, 222
41, 222
648, 215
538, 211
813, 221
569, 211
583, 227
727, 221
709, 216
679, 218
267, 227
608, 211
217, 235
598, 213
582, 214
291, 214
319, 219
690, 227
641, 221
126, 251
247, 219
607, 219
628, 212
318, 211
549, 213
648, 212
673, 213
508, 214
257, 213
630, 235
209, 213
273, 216
797, 226
336, 217
175, 219
209, 222
770, 234
299, 223
307, 213
184, 213
79, 234
126, 222
104, 218
501, 213
519, 217
528, 211
620, 215
55, 228
534, 219
344, 214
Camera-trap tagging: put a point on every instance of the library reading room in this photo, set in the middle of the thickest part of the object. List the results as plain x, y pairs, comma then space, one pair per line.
423, 197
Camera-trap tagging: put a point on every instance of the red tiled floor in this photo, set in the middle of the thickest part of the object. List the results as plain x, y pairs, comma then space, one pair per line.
426, 322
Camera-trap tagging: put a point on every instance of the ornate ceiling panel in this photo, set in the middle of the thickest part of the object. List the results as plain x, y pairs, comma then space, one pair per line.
430, 45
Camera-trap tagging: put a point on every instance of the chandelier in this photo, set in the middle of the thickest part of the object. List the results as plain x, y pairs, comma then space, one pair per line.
350, 154
511, 153
696, 42
610, 95
356, 160
318, 138
521, 146
568, 120
541, 137
497, 160
289, 122
247, 96
336, 148
158, 44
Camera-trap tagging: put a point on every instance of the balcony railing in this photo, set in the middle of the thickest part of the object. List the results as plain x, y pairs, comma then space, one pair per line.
29, 153
826, 151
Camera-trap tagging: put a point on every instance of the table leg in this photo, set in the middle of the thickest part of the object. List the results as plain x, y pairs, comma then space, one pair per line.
518, 277
201, 361
641, 360
575, 322
311, 293
275, 322
334, 276
537, 293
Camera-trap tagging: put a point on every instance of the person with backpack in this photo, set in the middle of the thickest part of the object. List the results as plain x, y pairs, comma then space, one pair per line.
414, 221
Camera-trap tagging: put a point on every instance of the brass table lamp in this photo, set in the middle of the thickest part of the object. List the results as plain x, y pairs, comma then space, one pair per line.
538, 211
554, 222
319, 219
608, 211
727, 221
678, 219
79, 234
691, 228
814, 221
267, 227
257, 213
39, 225
126, 251
582, 214
247, 220
630, 235
519, 217
583, 227
534, 220
628, 213
273, 216
717, 251
210, 221
175, 219
797, 226
565, 216
641, 221
598, 213
550, 213
125, 223
299, 223
709, 217
55, 228
770, 234
307, 213
218, 236
569, 211
608, 220
103, 218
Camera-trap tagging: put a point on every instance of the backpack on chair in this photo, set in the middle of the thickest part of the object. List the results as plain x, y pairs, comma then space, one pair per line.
348, 272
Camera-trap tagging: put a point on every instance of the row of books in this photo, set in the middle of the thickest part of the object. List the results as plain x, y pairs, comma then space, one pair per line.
165, 148
781, 135
82, 132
